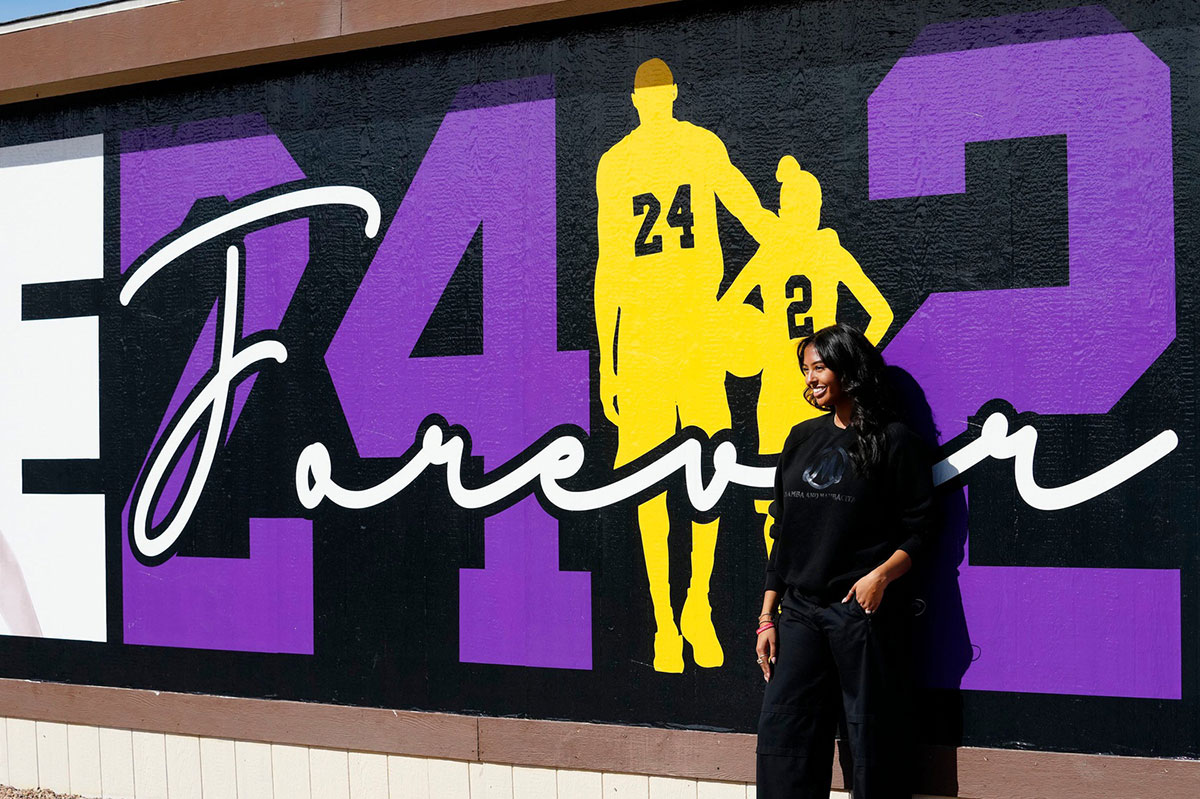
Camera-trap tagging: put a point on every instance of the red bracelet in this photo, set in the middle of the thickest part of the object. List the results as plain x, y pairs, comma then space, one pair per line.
769, 625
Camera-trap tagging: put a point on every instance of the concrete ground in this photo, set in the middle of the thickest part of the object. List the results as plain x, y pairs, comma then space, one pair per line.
33, 793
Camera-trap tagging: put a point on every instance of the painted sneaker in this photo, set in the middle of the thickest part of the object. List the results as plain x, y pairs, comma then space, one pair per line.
668, 651
696, 624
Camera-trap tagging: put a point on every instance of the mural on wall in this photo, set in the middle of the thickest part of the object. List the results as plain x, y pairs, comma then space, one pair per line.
659, 317
462, 392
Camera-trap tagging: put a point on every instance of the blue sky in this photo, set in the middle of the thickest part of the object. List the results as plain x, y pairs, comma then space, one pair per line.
18, 9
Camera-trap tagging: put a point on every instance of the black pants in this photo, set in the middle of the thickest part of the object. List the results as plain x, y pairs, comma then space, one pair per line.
829, 655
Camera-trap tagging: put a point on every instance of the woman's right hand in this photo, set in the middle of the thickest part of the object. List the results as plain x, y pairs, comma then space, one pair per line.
768, 643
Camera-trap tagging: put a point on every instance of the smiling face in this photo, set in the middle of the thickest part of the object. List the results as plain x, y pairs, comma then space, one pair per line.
821, 381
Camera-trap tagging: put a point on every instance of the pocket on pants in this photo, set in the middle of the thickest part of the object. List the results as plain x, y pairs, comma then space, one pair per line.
858, 609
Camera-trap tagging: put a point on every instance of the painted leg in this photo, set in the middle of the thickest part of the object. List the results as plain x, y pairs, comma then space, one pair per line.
762, 507
655, 526
696, 619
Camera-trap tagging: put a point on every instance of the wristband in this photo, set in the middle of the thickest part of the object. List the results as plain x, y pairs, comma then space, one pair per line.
768, 626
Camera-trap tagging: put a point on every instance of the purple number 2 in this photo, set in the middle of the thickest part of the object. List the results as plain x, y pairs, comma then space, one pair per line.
1108, 632
263, 603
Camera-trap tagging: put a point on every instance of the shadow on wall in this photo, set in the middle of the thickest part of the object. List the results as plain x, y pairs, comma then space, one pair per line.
943, 649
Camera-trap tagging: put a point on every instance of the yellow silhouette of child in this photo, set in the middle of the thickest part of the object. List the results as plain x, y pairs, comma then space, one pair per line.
798, 268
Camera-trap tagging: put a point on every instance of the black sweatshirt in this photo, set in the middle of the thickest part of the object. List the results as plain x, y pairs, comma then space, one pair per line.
831, 525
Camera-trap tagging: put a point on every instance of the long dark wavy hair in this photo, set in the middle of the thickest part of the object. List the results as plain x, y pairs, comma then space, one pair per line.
862, 374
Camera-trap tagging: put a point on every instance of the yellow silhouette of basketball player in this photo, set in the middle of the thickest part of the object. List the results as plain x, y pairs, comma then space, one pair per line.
798, 268
659, 324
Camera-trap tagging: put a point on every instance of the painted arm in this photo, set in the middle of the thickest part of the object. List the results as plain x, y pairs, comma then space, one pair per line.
750, 276
605, 296
868, 295
739, 197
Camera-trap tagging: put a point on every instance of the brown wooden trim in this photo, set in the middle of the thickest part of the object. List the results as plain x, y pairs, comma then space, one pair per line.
301, 723
195, 36
1014, 774
966, 772
607, 747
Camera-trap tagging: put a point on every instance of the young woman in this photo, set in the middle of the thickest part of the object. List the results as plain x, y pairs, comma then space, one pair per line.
853, 502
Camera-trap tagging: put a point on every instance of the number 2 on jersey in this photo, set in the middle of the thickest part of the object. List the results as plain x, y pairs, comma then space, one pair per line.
679, 215
799, 327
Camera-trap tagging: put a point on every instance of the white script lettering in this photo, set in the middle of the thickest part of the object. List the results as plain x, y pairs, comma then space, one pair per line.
562, 458
232, 366
996, 442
